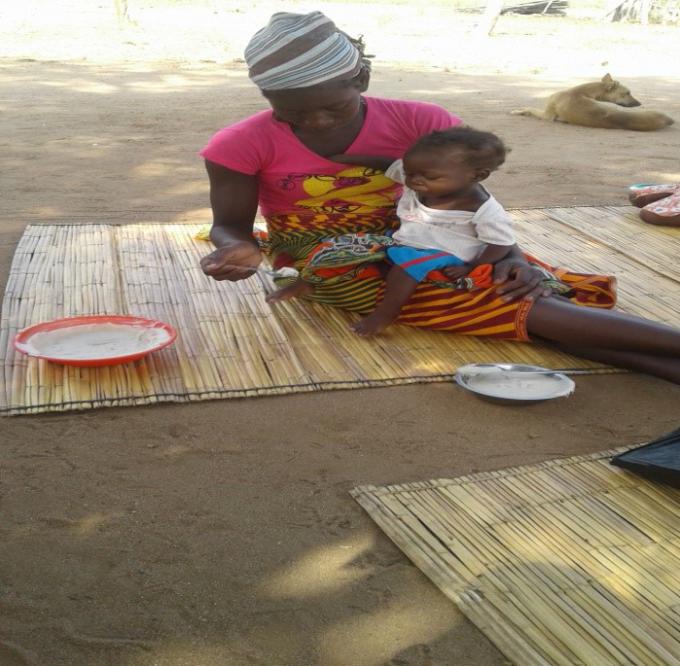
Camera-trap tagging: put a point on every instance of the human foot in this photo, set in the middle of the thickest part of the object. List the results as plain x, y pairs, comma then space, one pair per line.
295, 290
372, 324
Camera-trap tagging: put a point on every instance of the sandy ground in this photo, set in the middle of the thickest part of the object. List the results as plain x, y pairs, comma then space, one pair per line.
222, 533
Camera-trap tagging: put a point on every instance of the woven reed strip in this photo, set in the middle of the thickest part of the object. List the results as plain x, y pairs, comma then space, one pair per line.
590, 662
567, 622
440, 565
517, 533
117, 392
651, 293
584, 573
622, 228
231, 343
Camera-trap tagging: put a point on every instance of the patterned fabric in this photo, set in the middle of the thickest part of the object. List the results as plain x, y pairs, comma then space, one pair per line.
417, 262
358, 285
298, 51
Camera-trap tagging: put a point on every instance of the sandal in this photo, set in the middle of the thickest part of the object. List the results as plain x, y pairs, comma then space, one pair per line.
642, 194
664, 211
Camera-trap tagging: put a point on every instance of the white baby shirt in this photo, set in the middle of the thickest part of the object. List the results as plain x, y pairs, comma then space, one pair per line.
458, 232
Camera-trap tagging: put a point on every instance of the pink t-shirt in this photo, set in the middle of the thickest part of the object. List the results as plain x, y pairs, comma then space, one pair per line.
294, 179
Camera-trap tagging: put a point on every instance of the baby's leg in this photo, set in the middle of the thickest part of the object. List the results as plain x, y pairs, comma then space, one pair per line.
294, 290
399, 287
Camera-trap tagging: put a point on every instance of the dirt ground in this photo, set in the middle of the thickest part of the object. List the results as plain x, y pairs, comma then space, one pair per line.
222, 533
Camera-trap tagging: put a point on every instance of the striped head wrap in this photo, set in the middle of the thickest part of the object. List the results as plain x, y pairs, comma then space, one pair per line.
301, 50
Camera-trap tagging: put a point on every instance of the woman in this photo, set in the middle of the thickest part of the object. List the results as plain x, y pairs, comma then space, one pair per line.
289, 160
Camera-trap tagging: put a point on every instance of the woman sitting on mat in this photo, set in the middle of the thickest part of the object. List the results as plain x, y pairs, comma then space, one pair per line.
313, 77
660, 204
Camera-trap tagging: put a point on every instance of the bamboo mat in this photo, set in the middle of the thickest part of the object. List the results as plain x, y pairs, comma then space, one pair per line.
566, 562
231, 343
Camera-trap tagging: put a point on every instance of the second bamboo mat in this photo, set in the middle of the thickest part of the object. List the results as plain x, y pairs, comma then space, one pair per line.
231, 343
566, 562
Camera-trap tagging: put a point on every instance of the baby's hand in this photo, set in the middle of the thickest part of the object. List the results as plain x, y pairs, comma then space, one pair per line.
455, 272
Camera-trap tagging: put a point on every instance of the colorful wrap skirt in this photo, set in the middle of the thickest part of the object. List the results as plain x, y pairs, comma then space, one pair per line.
344, 257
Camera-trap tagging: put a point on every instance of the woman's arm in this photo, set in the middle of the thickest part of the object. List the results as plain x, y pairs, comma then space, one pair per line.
233, 198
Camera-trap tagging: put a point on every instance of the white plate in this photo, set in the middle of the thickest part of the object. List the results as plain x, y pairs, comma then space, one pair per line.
513, 383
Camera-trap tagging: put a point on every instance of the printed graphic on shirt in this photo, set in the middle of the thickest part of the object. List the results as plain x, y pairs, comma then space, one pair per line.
353, 190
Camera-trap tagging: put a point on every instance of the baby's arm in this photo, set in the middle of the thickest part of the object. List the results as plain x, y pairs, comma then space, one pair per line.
494, 229
378, 162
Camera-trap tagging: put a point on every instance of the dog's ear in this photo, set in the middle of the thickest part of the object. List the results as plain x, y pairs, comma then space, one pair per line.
609, 83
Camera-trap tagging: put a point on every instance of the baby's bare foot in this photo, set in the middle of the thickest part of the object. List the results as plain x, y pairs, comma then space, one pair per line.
295, 290
372, 324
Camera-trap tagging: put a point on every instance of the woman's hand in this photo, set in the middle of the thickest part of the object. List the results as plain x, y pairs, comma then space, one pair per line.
237, 260
518, 279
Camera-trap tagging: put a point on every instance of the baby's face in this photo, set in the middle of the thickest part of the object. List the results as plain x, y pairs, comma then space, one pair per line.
438, 173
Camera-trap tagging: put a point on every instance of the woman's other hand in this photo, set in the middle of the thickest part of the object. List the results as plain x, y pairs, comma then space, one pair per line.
516, 279
237, 260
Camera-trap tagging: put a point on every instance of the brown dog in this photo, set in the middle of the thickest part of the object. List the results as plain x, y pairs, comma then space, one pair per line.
599, 104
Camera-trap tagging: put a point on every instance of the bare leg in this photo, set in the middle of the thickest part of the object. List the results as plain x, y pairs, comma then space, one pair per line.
659, 366
399, 287
294, 290
561, 321
609, 336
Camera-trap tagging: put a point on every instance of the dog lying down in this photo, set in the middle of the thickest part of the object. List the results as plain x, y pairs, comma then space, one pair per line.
604, 103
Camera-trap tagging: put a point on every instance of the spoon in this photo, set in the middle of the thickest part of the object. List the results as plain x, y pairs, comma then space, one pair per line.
508, 369
284, 271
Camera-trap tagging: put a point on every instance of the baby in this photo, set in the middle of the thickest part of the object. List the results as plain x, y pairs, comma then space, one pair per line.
448, 221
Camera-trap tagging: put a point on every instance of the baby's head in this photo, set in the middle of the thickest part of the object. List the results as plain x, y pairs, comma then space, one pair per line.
451, 160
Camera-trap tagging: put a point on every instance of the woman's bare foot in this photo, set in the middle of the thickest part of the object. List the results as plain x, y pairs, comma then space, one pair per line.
372, 324
295, 290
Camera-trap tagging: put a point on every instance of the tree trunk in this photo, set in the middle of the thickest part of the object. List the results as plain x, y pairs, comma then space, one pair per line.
630, 10
491, 13
122, 14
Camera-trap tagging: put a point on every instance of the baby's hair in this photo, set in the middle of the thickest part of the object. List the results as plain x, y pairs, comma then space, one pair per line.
483, 150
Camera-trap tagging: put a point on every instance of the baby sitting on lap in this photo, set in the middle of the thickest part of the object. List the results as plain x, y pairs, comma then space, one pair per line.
448, 221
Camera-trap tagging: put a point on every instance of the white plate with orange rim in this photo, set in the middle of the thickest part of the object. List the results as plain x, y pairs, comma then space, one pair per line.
514, 383
95, 340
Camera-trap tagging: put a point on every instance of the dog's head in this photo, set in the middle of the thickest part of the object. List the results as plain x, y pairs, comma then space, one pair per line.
614, 92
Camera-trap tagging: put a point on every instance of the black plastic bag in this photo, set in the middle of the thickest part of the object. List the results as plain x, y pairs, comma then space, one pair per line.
659, 460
